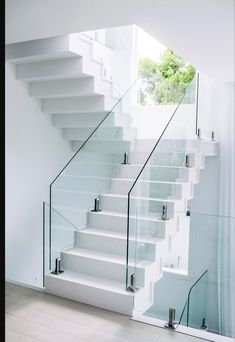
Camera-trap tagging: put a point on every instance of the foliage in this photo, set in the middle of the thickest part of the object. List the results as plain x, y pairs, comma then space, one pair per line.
166, 81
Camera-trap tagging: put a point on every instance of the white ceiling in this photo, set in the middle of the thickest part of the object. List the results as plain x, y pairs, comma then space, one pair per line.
201, 31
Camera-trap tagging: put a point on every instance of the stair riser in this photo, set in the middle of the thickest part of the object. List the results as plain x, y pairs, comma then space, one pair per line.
167, 159
76, 200
73, 104
117, 204
108, 146
71, 87
164, 174
144, 299
92, 170
115, 246
99, 158
50, 70
62, 237
153, 173
39, 50
70, 120
61, 88
152, 190
63, 68
116, 223
122, 303
173, 145
83, 185
82, 119
111, 133
78, 218
100, 268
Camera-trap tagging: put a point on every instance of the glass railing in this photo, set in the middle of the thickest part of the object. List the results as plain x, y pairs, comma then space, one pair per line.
155, 192
194, 311
88, 183
61, 236
207, 121
88, 174
201, 287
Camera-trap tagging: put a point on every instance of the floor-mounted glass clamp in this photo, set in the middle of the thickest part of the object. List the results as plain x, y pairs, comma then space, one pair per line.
132, 287
187, 160
125, 161
96, 206
198, 133
164, 216
171, 319
57, 267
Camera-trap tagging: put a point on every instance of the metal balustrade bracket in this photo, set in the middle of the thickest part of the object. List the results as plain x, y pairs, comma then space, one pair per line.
57, 270
96, 206
125, 161
187, 161
132, 287
164, 216
171, 320
198, 133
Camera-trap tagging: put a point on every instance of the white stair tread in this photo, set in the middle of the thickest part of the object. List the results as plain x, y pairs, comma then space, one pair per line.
120, 196
142, 198
122, 179
148, 181
115, 213
117, 235
112, 213
129, 165
92, 281
107, 257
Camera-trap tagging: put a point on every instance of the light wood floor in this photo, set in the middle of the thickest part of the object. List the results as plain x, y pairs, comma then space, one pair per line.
33, 316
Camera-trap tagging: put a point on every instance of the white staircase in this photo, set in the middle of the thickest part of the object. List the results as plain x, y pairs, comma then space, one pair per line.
64, 74
95, 266
73, 83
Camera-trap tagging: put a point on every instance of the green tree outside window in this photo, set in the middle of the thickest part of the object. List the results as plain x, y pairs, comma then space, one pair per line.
166, 81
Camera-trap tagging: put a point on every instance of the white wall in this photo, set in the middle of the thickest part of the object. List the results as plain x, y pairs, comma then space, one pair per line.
35, 153
212, 237
150, 121
200, 31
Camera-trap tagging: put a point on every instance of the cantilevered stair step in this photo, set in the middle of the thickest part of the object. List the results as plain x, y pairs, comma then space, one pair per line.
140, 206
98, 157
68, 68
131, 171
63, 88
106, 265
41, 50
204, 145
109, 241
167, 158
117, 223
103, 147
160, 173
81, 184
92, 169
103, 133
92, 290
74, 104
70, 87
152, 189
93, 119
51, 70
83, 119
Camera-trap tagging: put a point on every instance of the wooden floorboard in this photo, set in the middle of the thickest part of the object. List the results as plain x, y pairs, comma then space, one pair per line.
33, 316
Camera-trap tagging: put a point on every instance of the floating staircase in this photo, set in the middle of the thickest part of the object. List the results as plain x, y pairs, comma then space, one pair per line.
72, 82
63, 73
